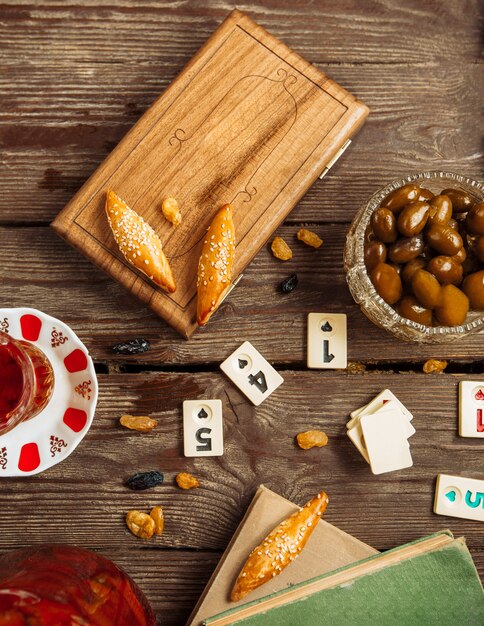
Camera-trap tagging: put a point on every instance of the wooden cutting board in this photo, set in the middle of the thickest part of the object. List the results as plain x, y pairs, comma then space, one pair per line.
249, 122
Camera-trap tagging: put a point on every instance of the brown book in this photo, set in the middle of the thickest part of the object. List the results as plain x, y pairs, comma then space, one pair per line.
327, 549
247, 122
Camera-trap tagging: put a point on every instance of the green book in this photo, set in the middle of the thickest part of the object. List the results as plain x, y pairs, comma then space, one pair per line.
432, 581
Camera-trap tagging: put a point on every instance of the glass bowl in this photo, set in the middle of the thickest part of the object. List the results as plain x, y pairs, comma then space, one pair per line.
361, 287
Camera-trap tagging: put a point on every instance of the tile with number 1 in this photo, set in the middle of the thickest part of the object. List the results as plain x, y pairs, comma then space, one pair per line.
326, 341
252, 374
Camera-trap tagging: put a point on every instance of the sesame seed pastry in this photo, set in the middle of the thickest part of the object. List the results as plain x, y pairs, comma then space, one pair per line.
215, 265
138, 242
279, 548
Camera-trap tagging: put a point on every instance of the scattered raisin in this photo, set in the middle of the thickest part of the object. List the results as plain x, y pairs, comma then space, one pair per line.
312, 438
281, 250
159, 519
309, 238
144, 480
434, 366
289, 283
142, 423
186, 481
140, 524
171, 211
135, 346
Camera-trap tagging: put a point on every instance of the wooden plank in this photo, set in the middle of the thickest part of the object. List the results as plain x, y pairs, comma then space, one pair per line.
52, 143
247, 122
63, 113
171, 579
397, 32
39, 269
83, 499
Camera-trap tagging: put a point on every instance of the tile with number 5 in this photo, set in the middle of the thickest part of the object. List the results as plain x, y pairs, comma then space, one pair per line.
252, 374
203, 433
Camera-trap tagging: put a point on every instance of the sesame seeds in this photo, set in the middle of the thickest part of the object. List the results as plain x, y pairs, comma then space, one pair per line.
133, 235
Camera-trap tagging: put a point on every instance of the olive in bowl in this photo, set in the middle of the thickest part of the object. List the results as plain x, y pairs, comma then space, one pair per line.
413, 257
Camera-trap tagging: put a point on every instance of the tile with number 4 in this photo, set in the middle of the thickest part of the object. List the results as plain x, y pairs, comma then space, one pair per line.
326, 341
471, 408
457, 496
252, 374
203, 433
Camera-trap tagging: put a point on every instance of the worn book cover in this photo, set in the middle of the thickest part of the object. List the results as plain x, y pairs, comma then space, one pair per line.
432, 581
327, 549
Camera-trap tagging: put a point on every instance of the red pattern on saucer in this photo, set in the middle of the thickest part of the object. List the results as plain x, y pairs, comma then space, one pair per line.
48, 438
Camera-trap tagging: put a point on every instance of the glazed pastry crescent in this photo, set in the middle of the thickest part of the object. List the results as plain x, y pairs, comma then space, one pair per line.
215, 265
138, 242
279, 548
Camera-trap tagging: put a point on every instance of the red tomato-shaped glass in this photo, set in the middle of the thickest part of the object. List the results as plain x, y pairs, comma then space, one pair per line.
64, 585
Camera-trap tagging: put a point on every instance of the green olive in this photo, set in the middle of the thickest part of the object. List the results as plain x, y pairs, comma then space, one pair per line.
453, 307
412, 218
384, 225
471, 264
461, 200
375, 252
426, 289
475, 219
444, 239
387, 282
446, 270
473, 287
479, 249
398, 198
410, 308
440, 210
406, 249
425, 195
461, 256
411, 267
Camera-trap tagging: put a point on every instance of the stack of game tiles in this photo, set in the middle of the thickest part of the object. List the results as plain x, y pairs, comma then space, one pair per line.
380, 430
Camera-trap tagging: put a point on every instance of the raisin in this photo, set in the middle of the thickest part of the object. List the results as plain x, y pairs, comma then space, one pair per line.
312, 438
135, 346
159, 519
280, 249
309, 238
171, 211
144, 480
433, 366
140, 524
289, 283
187, 481
142, 423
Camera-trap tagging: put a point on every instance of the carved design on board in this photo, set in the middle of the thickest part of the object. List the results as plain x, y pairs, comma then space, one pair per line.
266, 130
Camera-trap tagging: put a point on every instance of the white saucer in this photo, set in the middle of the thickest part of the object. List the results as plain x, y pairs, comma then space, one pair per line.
48, 438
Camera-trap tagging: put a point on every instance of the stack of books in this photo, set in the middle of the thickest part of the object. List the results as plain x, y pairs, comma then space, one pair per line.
339, 580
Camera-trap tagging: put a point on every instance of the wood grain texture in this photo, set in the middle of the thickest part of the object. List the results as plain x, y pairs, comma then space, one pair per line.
259, 448
75, 76
247, 122
67, 101
40, 268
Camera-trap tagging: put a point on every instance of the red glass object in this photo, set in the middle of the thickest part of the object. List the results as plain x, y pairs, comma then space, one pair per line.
26, 381
63, 585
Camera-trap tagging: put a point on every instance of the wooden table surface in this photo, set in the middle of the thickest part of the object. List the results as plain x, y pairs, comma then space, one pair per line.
74, 78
